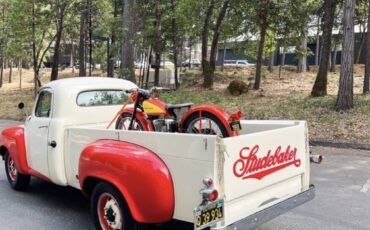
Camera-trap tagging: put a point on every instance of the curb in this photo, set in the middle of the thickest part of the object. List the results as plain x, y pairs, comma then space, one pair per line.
340, 145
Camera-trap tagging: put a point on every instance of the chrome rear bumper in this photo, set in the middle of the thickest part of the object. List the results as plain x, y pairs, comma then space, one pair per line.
253, 221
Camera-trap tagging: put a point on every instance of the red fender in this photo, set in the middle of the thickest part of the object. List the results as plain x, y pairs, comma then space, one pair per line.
139, 174
141, 117
218, 112
13, 140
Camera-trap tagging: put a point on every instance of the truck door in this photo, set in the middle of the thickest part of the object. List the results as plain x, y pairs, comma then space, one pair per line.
37, 131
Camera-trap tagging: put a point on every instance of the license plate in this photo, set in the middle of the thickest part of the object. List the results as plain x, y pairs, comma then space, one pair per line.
209, 214
235, 126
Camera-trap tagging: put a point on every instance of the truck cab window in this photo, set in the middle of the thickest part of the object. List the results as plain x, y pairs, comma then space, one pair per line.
43, 107
101, 98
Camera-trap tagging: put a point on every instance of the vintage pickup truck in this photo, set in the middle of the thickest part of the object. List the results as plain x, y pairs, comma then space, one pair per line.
138, 178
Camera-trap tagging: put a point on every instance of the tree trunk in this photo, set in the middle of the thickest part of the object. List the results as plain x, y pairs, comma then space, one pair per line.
89, 18
110, 69
317, 53
1, 72
359, 49
10, 71
282, 63
345, 93
71, 61
59, 24
174, 43
148, 67
302, 63
263, 14
35, 69
157, 41
367, 63
333, 61
208, 77
127, 62
271, 62
81, 49
20, 73
320, 86
205, 32
224, 56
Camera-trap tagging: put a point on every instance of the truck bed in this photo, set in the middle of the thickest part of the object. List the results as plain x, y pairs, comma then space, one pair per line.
191, 158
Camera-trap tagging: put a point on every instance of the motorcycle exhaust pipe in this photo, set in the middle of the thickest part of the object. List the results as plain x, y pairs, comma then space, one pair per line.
316, 158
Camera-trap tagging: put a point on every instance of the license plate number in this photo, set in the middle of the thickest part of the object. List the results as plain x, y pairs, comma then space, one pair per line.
235, 126
209, 214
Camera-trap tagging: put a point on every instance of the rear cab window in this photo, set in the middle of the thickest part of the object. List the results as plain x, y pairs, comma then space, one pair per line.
43, 106
101, 98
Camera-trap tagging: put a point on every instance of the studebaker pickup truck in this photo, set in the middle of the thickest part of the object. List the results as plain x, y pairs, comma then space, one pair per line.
137, 178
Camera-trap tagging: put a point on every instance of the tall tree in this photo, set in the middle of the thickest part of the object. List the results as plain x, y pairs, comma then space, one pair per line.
345, 93
208, 77
59, 8
264, 23
127, 61
83, 36
320, 86
367, 64
157, 46
174, 28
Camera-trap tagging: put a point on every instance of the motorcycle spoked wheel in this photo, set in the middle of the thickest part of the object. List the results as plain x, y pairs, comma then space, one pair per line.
208, 124
124, 120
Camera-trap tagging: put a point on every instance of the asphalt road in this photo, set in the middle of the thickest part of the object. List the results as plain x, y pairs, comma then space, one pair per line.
342, 200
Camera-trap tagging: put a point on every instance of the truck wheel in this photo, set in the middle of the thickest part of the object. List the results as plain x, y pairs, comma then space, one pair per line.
123, 122
209, 124
110, 211
18, 181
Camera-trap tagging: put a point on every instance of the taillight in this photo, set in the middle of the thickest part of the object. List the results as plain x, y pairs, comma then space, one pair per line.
209, 193
208, 182
236, 116
214, 195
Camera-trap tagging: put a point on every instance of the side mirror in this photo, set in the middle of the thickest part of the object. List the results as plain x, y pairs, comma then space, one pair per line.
21, 105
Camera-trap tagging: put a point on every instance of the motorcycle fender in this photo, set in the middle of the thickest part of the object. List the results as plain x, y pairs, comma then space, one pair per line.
216, 111
12, 139
139, 174
141, 117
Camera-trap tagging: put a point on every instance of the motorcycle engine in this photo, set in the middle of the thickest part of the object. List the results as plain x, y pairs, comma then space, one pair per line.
165, 125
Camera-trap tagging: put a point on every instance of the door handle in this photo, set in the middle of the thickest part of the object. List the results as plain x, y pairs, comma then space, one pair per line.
53, 144
42, 127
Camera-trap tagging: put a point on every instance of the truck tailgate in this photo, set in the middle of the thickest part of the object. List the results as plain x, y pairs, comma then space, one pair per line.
263, 168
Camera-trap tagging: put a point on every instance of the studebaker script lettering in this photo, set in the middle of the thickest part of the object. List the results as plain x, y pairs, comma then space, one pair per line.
249, 165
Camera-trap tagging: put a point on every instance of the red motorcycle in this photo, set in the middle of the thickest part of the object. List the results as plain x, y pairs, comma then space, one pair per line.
148, 113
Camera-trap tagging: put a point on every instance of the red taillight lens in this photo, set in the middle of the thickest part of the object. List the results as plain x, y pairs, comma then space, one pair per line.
235, 116
213, 195
208, 182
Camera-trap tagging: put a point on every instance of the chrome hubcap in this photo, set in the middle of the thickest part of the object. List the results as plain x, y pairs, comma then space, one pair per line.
109, 212
12, 170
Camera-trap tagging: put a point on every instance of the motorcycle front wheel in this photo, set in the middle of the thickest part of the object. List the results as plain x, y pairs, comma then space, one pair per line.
207, 124
123, 123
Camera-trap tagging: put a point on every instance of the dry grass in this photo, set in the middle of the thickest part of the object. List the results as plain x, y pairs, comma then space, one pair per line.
285, 98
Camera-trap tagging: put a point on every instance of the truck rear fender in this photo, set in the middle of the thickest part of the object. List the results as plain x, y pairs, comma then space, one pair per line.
218, 112
12, 141
139, 174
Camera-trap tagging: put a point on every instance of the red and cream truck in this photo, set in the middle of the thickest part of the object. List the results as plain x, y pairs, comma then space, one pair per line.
138, 178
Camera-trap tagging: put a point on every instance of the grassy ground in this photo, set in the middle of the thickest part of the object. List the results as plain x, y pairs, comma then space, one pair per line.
284, 98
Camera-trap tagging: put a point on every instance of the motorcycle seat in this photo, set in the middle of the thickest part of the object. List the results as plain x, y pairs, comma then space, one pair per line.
179, 106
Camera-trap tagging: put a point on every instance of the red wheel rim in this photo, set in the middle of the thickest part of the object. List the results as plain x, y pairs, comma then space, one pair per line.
109, 212
12, 170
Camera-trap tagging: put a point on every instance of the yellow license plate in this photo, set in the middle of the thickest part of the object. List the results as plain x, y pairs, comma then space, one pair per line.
209, 214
